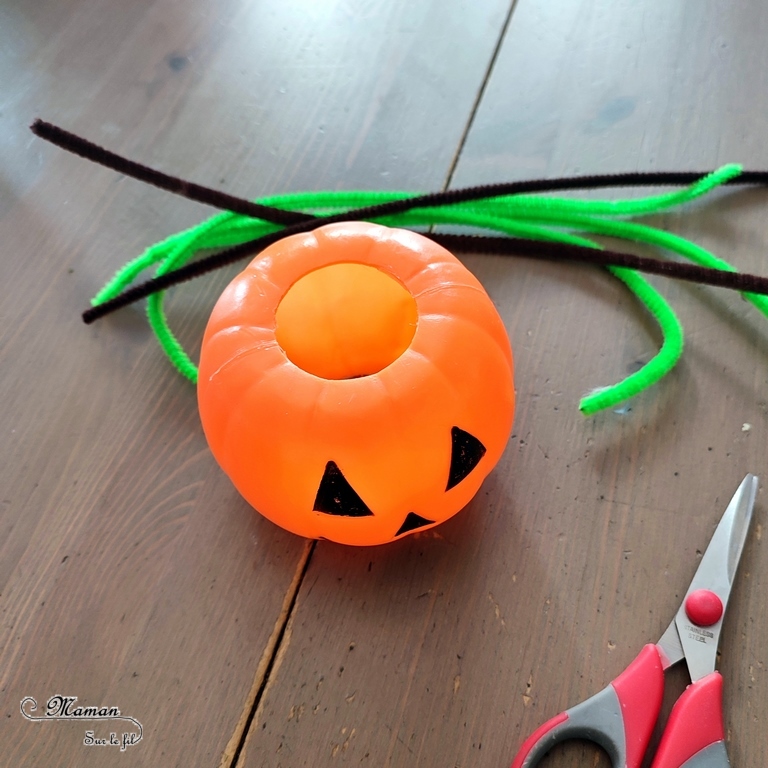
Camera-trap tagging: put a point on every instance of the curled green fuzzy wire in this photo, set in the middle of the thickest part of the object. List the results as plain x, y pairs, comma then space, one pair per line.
531, 216
658, 366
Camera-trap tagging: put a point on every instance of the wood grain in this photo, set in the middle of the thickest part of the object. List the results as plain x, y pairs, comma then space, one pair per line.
131, 573
449, 648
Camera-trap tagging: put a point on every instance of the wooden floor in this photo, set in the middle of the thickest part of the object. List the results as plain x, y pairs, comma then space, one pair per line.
131, 572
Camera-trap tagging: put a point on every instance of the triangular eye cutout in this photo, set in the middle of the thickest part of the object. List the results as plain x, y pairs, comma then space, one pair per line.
466, 452
413, 521
336, 496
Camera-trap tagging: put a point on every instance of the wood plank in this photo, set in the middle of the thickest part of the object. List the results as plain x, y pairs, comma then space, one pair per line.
578, 548
131, 573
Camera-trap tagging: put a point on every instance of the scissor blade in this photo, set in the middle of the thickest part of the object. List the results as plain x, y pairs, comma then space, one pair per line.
742, 517
716, 572
670, 649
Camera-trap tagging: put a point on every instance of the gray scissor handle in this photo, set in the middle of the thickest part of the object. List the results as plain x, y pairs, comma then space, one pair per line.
597, 719
619, 719
713, 756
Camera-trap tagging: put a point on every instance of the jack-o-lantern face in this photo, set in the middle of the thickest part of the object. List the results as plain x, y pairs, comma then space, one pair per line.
356, 383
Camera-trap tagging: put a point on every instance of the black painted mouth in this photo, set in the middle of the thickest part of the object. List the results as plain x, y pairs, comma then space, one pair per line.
336, 496
413, 522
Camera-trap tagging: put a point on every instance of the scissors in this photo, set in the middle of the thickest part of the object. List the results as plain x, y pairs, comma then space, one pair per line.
621, 717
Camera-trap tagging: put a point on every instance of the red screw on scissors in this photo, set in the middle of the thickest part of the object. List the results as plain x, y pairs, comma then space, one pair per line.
621, 717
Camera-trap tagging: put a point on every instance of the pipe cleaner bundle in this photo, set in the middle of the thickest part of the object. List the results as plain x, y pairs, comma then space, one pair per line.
355, 381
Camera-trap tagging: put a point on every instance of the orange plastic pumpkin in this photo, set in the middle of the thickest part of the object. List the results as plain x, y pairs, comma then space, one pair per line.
356, 383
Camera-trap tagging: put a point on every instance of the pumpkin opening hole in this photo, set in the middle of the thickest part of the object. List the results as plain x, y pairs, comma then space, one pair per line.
345, 320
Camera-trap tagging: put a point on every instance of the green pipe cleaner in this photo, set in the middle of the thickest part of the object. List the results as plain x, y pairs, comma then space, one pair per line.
536, 217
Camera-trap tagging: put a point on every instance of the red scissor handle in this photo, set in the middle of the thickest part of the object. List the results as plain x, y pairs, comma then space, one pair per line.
620, 718
695, 735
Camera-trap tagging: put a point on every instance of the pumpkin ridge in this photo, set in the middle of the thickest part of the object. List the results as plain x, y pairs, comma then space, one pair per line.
248, 282
444, 379
272, 372
239, 357
489, 333
454, 285
434, 265
447, 260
